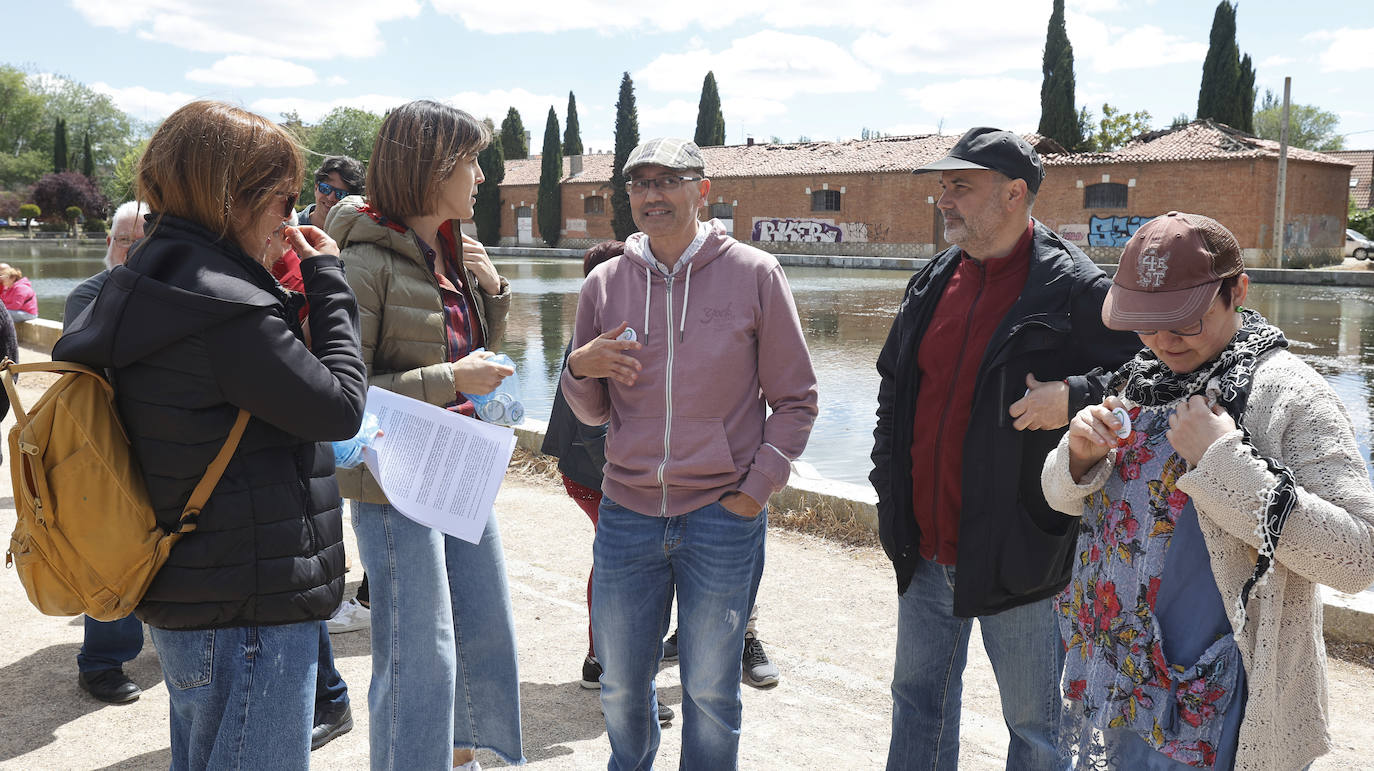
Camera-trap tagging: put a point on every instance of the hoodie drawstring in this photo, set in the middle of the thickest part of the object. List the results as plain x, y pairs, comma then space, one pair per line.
686, 292
647, 285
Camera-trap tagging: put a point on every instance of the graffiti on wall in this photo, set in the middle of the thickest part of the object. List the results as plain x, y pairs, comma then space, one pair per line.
1113, 231
1075, 234
797, 230
1313, 231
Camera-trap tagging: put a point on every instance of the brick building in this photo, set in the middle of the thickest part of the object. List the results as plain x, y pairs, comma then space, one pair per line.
860, 197
1360, 188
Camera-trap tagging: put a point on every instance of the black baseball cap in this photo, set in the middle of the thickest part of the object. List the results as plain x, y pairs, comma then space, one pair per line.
996, 150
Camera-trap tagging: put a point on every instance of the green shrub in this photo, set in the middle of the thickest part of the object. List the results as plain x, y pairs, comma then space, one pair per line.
53, 227
96, 227
30, 211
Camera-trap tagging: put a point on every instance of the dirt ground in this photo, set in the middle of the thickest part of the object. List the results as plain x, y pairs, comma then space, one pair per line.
827, 616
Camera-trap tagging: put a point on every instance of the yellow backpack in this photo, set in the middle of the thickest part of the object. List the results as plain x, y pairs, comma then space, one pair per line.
87, 540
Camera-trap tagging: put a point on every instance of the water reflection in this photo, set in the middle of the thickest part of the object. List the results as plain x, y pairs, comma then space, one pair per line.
846, 315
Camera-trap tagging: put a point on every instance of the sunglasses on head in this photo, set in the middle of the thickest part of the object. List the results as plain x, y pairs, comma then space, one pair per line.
328, 189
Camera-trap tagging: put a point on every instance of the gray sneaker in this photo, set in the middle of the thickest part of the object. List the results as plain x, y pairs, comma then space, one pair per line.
670, 647
758, 670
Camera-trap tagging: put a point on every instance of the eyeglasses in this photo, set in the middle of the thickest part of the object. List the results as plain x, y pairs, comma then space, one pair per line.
290, 204
1192, 330
125, 241
328, 189
666, 184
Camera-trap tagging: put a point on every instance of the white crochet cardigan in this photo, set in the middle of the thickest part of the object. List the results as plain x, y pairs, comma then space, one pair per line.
1294, 417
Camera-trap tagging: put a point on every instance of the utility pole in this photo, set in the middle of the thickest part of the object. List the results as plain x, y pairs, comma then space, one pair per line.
1282, 178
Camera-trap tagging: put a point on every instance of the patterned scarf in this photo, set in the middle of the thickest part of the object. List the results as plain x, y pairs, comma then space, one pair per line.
1228, 377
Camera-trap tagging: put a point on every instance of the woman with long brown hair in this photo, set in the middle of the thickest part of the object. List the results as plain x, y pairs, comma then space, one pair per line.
193, 329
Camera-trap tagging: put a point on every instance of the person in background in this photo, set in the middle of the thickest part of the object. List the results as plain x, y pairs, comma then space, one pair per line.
337, 178
1219, 483
195, 331
704, 422
108, 645
17, 294
979, 375
445, 680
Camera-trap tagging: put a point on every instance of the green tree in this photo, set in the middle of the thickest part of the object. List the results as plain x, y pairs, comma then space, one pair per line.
23, 127
626, 137
112, 131
572, 134
1180, 120
23, 169
549, 206
345, 131
515, 143
1058, 117
1226, 94
710, 119
28, 213
1113, 130
72, 215
486, 213
122, 185
1309, 127
59, 146
87, 160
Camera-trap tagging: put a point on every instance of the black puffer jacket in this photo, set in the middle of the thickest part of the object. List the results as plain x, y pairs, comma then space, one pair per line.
1013, 548
193, 329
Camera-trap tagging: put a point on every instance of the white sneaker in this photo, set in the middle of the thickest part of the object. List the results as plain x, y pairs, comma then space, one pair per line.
350, 617
471, 765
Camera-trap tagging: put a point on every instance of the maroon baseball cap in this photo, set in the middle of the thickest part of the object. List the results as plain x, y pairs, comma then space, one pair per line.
1170, 272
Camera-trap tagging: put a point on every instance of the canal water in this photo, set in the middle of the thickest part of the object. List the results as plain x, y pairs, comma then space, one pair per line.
846, 315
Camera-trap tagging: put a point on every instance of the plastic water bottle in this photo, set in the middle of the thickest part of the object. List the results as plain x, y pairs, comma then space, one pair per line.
503, 406
349, 452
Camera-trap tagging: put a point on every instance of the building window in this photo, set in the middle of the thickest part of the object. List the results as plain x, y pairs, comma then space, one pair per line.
1104, 195
825, 200
722, 211
593, 204
524, 212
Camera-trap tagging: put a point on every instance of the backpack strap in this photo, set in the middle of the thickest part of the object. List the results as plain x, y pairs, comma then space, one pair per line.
7, 365
201, 494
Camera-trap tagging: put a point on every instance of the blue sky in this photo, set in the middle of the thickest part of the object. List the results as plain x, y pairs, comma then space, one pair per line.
786, 68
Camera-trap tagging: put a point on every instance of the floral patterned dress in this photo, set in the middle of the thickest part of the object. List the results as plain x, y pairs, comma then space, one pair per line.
1149, 646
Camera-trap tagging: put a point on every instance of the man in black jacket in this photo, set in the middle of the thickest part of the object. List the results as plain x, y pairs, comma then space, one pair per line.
1013, 315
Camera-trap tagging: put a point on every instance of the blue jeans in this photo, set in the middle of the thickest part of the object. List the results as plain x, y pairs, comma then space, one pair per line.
109, 644
443, 643
241, 696
331, 692
714, 559
1027, 658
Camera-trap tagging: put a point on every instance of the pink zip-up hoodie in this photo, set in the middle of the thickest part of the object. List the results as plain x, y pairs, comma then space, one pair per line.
722, 344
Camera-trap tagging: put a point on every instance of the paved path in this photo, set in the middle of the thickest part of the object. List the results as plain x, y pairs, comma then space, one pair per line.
826, 617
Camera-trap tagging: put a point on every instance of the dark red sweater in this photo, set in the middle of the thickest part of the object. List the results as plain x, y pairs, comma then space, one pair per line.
975, 300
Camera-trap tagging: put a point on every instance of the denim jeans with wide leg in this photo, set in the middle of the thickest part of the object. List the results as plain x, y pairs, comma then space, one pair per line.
1027, 659
242, 697
714, 559
443, 643
109, 644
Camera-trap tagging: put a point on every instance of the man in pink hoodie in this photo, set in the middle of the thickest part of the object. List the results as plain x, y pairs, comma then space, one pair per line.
683, 345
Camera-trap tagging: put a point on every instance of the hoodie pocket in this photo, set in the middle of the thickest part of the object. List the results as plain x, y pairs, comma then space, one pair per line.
698, 455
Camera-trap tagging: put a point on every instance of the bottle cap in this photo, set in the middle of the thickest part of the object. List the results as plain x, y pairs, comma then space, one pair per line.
628, 334
1125, 417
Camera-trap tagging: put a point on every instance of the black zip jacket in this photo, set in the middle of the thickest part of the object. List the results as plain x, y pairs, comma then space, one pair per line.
579, 448
1013, 548
192, 329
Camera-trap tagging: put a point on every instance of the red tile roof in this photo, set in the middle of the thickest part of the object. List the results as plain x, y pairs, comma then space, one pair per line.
1360, 176
1198, 141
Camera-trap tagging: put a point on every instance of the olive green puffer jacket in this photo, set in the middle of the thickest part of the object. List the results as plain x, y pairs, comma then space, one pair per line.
401, 315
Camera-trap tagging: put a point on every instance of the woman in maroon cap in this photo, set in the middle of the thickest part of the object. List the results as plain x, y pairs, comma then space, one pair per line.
1219, 483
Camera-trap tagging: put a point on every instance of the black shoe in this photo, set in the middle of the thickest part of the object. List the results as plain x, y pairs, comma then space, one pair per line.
665, 713
670, 647
111, 686
330, 726
591, 673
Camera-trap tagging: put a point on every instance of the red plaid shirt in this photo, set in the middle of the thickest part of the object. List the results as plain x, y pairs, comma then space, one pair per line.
462, 333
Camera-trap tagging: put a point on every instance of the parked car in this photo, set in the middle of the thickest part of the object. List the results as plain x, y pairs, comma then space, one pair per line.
1357, 246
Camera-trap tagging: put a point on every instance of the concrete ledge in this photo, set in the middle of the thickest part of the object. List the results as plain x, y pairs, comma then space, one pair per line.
1348, 616
38, 333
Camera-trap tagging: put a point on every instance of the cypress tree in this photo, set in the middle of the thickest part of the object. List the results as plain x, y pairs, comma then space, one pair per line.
626, 137
486, 213
549, 203
1059, 119
710, 119
514, 143
572, 134
87, 162
59, 146
1227, 92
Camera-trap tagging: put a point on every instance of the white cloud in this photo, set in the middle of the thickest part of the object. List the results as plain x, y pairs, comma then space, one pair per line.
1348, 50
144, 103
335, 80
940, 39
1099, 47
252, 27
251, 71
1005, 102
1277, 60
312, 110
768, 65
